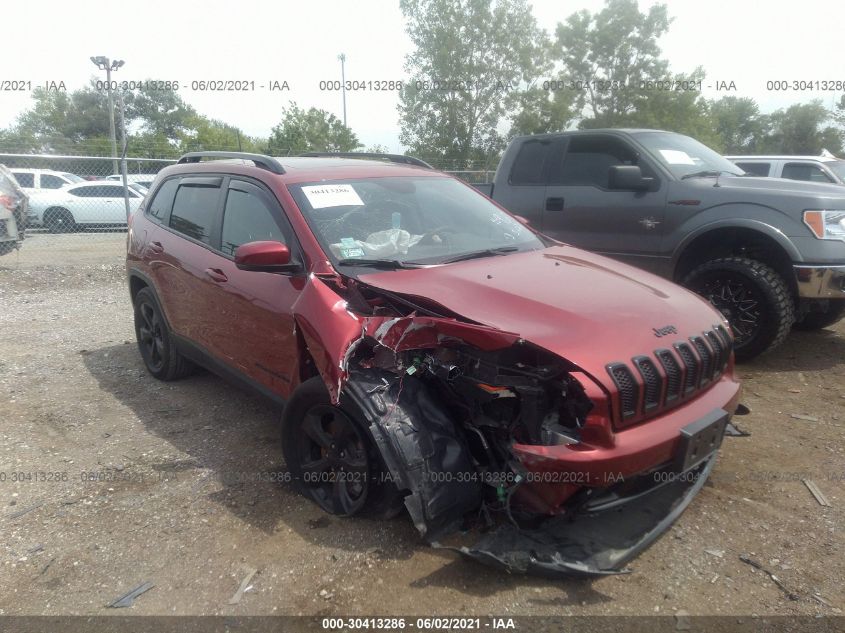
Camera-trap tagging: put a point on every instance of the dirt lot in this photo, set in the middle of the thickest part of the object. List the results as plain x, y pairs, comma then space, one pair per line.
182, 498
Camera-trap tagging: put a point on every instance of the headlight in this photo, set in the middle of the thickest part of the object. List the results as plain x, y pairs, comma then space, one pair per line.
826, 225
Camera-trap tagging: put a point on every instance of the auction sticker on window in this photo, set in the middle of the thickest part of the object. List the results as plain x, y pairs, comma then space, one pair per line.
323, 196
677, 157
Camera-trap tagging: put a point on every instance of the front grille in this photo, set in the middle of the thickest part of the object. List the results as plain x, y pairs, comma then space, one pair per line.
674, 375
692, 369
677, 375
627, 386
651, 379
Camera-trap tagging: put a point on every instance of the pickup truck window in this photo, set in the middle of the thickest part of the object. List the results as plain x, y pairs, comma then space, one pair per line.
530, 163
588, 159
804, 171
683, 155
755, 169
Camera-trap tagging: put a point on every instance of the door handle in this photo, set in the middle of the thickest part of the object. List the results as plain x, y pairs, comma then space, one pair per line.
216, 274
554, 204
156, 248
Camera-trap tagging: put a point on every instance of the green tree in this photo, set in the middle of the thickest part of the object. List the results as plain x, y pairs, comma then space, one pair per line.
470, 56
611, 56
739, 124
540, 111
162, 113
802, 129
311, 130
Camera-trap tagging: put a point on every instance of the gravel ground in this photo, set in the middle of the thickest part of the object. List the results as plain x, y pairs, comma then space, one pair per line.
181, 497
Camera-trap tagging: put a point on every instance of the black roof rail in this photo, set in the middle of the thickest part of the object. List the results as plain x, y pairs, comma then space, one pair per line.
264, 162
394, 158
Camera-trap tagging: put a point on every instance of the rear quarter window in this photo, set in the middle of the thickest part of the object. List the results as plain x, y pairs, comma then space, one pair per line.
162, 203
530, 163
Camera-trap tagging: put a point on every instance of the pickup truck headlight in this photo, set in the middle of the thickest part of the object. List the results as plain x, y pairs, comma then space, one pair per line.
826, 225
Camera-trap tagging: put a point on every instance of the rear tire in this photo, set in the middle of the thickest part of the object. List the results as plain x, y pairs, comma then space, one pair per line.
155, 340
752, 296
331, 456
819, 320
59, 221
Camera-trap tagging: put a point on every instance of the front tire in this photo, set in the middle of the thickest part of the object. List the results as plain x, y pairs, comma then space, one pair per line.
330, 455
155, 340
752, 296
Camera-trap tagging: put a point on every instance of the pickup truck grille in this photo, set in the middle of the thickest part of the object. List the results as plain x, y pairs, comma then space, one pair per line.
656, 382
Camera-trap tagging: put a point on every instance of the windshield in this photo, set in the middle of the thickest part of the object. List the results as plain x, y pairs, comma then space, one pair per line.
683, 155
838, 168
420, 220
72, 177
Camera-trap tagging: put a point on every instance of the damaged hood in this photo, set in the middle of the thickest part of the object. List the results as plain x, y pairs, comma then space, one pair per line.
588, 309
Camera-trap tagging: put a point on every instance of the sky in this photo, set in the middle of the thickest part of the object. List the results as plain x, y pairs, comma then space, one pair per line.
262, 41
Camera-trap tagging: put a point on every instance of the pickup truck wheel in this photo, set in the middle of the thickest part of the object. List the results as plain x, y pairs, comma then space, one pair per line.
752, 296
330, 454
155, 341
819, 320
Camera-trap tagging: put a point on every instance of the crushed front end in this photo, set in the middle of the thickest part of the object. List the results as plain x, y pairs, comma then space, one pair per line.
508, 452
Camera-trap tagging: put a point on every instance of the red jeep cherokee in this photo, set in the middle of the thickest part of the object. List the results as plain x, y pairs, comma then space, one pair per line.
434, 353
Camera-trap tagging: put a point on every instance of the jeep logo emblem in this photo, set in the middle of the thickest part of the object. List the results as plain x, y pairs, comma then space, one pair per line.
663, 331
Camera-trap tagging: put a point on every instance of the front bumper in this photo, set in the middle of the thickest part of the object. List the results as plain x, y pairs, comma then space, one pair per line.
820, 282
597, 540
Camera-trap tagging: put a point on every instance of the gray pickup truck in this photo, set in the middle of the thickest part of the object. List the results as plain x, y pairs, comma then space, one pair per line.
768, 253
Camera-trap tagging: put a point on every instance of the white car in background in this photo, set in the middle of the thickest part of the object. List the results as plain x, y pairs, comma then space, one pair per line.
145, 180
36, 180
88, 204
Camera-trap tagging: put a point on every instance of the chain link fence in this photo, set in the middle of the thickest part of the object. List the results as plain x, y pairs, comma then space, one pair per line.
78, 204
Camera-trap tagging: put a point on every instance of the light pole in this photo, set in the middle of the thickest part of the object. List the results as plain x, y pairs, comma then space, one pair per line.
103, 63
342, 58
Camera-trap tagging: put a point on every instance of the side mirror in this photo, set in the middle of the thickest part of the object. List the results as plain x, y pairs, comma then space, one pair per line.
627, 178
267, 257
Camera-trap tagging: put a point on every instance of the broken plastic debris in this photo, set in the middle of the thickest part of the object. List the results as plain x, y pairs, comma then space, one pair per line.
250, 572
814, 490
128, 599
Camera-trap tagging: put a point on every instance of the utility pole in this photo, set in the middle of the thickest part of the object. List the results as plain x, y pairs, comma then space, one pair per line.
342, 58
103, 63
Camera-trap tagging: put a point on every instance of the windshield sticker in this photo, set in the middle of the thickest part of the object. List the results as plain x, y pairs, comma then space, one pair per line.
352, 252
323, 196
677, 157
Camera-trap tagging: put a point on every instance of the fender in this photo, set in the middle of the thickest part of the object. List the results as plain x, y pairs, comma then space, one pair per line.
758, 226
419, 444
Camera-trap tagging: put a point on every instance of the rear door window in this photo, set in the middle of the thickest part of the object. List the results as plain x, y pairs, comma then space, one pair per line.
755, 169
25, 180
530, 163
195, 208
